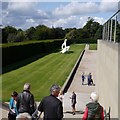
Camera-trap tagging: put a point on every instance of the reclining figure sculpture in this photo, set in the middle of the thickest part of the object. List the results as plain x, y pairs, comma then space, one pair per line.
64, 47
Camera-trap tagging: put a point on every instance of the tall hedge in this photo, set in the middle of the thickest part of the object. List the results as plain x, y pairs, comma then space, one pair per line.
12, 54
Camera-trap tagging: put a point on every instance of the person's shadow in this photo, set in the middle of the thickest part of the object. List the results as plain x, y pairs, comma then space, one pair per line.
77, 112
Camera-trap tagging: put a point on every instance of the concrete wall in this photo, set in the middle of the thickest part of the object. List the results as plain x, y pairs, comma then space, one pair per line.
119, 80
107, 76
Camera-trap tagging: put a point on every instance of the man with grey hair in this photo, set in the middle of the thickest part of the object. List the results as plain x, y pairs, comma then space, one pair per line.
51, 105
26, 86
25, 103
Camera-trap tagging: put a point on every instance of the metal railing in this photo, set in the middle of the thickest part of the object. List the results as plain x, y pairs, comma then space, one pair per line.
107, 115
111, 28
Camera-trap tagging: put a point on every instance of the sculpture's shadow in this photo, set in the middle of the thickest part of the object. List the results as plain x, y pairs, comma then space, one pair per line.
69, 52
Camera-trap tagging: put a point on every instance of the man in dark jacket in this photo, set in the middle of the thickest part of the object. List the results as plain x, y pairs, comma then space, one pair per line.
25, 103
93, 111
51, 105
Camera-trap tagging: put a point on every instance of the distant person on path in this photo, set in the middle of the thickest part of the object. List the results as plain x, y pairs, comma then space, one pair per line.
73, 101
90, 81
93, 111
25, 103
83, 78
12, 106
51, 105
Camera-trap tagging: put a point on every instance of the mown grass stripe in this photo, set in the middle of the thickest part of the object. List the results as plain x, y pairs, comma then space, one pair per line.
42, 73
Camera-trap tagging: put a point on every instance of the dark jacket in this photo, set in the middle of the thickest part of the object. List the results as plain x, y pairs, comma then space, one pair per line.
94, 111
74, 99
25, 102
52, 108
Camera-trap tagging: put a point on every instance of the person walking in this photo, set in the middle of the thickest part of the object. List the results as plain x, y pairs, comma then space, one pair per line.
25, 103
83, 78
90, 81
73, 101
12, 107
51, 105
93, 111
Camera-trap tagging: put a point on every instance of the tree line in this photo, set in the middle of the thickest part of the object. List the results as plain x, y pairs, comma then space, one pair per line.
92, 30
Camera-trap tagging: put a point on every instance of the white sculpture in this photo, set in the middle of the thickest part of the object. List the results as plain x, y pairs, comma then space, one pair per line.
64, 47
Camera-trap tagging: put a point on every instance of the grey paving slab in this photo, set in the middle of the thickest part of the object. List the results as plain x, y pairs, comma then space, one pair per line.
87, 65
3, 111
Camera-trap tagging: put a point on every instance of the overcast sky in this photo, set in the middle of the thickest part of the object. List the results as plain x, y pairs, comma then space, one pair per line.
67, 14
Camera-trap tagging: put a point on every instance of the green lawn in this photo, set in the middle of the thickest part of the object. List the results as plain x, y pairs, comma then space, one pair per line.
93, 47
41, 74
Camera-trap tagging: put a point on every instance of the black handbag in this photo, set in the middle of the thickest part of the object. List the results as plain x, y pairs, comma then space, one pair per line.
11, 115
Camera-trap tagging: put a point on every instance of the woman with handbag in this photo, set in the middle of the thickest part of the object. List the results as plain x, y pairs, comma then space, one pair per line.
12, 106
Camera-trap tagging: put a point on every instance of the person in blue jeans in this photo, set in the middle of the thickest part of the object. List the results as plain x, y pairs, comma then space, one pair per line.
12, 106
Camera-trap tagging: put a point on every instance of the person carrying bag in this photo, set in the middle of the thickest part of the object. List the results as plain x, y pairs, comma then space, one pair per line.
12, 106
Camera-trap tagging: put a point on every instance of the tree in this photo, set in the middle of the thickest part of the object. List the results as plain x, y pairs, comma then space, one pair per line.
98, 34
67, 30
82, 34
30, 33
59, 33
72, 35
87, 28
11, 38
41, 32
117, 32
21, 36
91, 27
6, 31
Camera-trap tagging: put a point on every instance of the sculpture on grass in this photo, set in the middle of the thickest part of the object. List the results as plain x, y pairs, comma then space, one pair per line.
64, 47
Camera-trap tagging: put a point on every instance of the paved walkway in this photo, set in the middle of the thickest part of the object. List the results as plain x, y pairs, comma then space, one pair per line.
88, 64
3, 111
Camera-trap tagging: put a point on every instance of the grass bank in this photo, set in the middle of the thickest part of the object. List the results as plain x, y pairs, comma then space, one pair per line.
93, 47
41, 74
